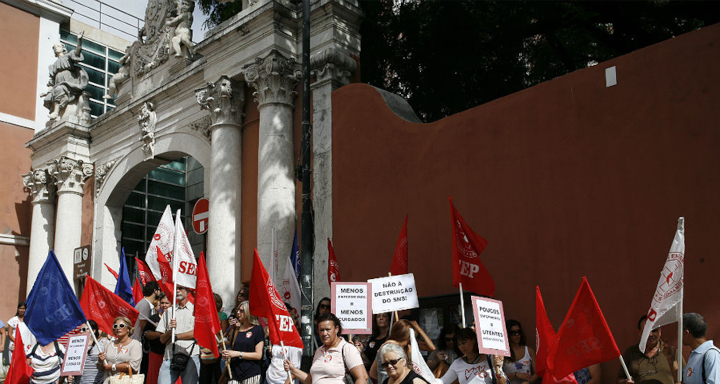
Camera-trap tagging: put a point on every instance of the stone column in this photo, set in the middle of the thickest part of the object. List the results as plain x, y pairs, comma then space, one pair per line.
69, 175
274, 79
332, 68
42, 229
224, 99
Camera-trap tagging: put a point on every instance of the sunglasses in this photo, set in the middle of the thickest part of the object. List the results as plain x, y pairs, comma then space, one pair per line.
324, 306
84, 329
513, 333
121, 325
390, 362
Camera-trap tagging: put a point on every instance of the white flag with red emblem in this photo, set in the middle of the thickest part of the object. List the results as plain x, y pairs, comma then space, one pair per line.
164, 239
291, 289
665, 308
183, 261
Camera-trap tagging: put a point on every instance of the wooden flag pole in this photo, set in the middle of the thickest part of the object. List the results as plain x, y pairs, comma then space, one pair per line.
462, 306
397, 318
679, 309
227, 362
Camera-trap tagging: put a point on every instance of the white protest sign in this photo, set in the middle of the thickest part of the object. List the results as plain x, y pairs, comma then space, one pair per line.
394, 293
490, 326
75, 355
351, 304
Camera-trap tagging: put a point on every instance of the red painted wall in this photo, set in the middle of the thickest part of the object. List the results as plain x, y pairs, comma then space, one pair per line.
566, 179
20, 31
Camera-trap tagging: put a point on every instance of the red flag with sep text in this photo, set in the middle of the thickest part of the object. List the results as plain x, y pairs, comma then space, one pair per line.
399, 264
166, 280
19, 372
545, 337
584, 337
144, 271
333, 267
265, 302
207, 322
103, 306
466, 249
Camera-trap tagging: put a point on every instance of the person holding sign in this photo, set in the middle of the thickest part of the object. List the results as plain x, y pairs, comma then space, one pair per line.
520, 365
91, 374
333, 359
123, 353
398, 366
474, 367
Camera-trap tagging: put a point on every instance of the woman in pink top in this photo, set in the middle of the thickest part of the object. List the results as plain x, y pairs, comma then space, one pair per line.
333, 359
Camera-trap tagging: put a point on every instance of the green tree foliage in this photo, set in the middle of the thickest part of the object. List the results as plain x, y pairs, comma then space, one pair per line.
446, 56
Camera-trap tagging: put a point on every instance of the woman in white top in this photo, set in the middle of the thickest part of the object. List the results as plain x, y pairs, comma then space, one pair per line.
473, 364
19, 322
520, 366
121, 354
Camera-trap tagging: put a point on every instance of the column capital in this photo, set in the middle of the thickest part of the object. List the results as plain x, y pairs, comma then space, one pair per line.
332, 65
274, 79
40, 184
224, 99
70, 174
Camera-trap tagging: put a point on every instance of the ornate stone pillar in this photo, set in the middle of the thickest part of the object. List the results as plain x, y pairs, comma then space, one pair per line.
332, 68
42, 229
224, 99
274, 79
69, 175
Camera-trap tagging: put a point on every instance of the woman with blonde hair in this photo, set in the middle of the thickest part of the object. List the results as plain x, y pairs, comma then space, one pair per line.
246, 347
121, 354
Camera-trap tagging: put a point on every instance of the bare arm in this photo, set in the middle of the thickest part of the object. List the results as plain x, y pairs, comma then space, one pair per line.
304, 377
426, 343
360, 374
257, 355
373, 370
11, 333
78, 49
595, 374
535, 377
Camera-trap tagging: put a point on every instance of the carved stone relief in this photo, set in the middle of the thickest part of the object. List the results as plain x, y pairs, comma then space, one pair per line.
147, 120
202, 126
39, 183
274, 79
100, 174
69, 174
224, 99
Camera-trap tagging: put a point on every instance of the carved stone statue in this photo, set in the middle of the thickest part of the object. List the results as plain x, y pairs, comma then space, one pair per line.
67, 82
122, 74
147, 120
224, 99
183, 34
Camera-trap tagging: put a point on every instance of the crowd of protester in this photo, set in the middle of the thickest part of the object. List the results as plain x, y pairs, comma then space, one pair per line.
383, 357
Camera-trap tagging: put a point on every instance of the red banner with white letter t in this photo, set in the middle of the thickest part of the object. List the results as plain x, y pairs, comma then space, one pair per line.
466, 249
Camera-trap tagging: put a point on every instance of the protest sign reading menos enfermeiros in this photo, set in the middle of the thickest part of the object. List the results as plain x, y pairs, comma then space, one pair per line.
490, 326
75, 355
394, 293
351, 304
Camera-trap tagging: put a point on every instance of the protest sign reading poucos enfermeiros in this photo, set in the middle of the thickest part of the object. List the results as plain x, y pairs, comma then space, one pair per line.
490, 326
394, 293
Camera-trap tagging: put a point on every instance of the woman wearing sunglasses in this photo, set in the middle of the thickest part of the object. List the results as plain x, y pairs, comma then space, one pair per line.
473, 364
520, 366
91, 373
397, 365
122, 354
333, 359
323, 307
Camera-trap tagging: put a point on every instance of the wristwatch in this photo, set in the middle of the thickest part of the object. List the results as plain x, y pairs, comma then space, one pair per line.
240, 354
114, 368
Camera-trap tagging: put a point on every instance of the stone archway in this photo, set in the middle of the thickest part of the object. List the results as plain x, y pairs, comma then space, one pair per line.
123, 174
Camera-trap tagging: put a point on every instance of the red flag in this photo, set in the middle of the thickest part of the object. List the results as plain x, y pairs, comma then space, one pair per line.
137, 291
146, 275
103, 306
265, 302
333, 267
207, 322
19, 372
466, 249
166, 281
584, 338
399, 264
112, 271
545, 337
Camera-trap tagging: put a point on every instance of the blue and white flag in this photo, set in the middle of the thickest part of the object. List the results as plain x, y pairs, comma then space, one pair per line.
52, 307
123, 288
295, 257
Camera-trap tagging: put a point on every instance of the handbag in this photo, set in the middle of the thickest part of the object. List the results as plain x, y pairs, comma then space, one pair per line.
181, 358
127, 379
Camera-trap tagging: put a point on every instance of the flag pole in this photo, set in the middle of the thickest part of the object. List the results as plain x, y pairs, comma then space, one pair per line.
678, 352
397, 318
462, 306
175, 271
227, 362
95, 339
627, 374
282, 349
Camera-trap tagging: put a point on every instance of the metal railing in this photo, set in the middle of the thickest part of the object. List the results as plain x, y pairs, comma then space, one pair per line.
106, 17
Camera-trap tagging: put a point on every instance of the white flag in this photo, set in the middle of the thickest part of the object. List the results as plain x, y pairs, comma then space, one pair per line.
419, 365
664, 308
163, 238
274, 258
291, 289
184, 262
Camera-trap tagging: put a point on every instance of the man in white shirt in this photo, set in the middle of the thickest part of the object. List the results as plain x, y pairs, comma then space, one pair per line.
184, 325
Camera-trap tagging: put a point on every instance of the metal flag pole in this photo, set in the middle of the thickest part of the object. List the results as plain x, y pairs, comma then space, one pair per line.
627, 374
462, 306
681, 229
175, 271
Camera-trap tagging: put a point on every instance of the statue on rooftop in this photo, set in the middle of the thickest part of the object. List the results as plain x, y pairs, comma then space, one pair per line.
182, 23
122, 74
67, 82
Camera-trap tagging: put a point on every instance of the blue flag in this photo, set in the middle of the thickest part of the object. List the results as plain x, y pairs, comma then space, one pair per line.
52, 307
295, 257
123, 288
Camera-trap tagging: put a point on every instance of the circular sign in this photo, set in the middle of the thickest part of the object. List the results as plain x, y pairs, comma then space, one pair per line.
200, 216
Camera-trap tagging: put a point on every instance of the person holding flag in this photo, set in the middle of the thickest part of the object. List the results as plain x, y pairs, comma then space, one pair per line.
656, 363
473, 364
181, 320
247, 343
